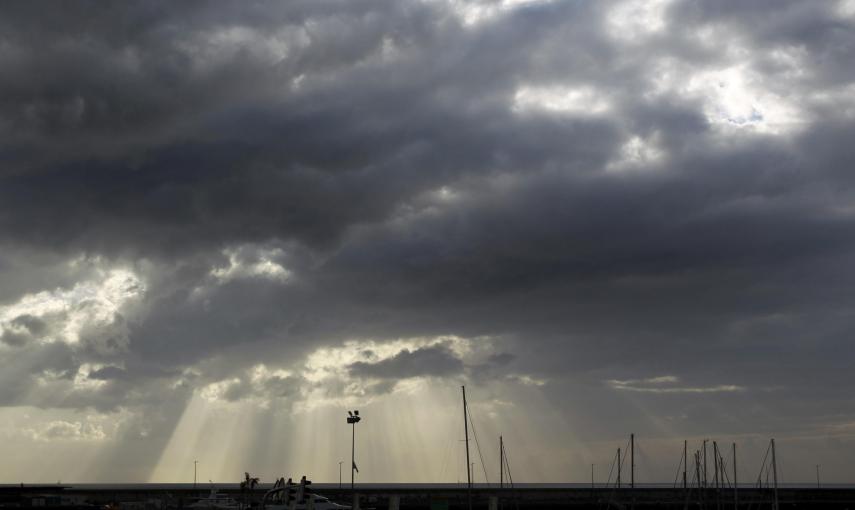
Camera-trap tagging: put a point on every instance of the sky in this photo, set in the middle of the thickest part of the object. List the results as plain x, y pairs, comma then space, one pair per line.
225, 224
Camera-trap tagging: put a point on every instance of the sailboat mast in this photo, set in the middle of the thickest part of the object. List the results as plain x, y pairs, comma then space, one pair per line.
705, 463
501, 463
716, 471
466, 432
735, 483
775, 473
632, 461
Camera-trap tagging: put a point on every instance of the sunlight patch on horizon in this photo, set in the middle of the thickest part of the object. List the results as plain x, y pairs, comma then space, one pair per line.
404, 437
71, 440
215, 434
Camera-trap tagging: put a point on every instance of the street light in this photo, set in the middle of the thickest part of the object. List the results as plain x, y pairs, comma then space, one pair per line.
353, 418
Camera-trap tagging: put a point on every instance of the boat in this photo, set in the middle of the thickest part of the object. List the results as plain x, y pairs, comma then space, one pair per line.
290, 496
216, 501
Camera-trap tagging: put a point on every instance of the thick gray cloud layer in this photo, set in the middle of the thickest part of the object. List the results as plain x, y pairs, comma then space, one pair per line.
613, 192
436, 360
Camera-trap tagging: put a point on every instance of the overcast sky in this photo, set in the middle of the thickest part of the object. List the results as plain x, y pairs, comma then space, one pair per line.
222, 225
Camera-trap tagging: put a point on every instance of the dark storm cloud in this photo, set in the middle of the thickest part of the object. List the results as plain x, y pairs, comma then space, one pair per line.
377, 155
436, 360
107, 373
249, 164
23, 328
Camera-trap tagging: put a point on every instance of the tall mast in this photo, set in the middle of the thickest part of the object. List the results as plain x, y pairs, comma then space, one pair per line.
592, 477
718, 480
735, 485
775, 473
501, 463
618, 468
632, 461
698, 468
705, 463
685, 462
715, 464
466, 432
701, 492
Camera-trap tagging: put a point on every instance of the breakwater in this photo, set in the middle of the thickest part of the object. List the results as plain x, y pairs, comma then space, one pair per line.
403, 497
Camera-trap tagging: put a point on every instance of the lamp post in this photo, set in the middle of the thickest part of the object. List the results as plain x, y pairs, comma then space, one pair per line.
353, 418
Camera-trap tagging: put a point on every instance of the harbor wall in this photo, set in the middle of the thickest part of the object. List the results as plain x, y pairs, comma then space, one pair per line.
403, 498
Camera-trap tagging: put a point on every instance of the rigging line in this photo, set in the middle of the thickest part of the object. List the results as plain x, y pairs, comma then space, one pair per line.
768, 473
678, 470
723, 464
613, 491
508, 466
611, 470
723, 467
478, 446
626, 449
763, 466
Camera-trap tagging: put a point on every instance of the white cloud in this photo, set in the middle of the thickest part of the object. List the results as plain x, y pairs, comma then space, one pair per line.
528, 380
217, 390
83, 381
323, 379
261, 264
632, 19
329, 361
259, 384
638, 152
61, 430
579, 100
666, 384
474, 12
737, 97
211, 49
846, 9
89, 308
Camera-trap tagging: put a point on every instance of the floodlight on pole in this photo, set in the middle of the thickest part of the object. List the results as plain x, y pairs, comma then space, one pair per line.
353, 418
